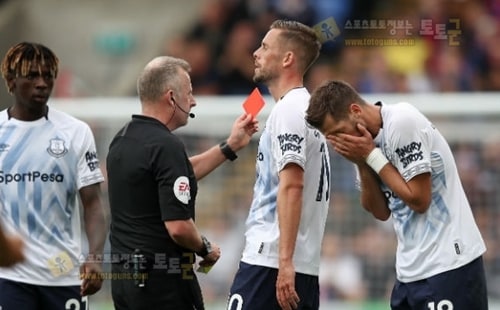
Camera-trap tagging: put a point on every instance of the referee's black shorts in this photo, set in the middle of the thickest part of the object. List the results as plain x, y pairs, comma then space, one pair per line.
161, 290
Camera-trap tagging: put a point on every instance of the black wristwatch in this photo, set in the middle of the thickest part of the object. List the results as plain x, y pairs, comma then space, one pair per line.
206, 249
227, 151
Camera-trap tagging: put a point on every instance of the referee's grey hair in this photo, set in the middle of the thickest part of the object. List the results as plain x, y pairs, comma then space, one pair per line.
160, 75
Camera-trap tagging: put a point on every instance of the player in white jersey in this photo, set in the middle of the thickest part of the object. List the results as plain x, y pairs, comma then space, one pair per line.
280, 262
407, 172
47, 159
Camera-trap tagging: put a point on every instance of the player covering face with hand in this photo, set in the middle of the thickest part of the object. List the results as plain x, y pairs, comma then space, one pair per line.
406, 171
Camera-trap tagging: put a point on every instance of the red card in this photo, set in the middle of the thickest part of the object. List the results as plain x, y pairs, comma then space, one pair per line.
254, 103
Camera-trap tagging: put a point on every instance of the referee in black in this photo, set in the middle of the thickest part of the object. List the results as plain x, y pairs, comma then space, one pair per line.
152, 187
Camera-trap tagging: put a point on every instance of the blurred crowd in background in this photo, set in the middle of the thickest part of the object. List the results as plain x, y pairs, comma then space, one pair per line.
448, 46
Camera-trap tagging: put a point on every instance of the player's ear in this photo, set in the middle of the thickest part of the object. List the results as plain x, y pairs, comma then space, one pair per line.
11, 83
355, 109
288, 59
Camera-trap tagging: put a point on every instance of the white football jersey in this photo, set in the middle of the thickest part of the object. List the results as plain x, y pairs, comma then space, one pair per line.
446, 236
288, 139
43, 164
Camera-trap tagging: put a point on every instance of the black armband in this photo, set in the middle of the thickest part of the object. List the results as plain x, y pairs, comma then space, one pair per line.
227, 151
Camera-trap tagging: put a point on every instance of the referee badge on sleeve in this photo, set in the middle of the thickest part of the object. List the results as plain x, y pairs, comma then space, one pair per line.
182, 190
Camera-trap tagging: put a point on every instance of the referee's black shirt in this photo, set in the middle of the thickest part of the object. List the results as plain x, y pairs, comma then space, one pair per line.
150, 180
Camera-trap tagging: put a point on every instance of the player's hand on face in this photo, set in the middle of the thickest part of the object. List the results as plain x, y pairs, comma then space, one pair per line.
91, 274
342, 145
242, 131
286, 295
211, 258
354, 148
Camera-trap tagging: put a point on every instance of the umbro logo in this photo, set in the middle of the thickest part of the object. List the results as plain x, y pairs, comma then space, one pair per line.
4, 147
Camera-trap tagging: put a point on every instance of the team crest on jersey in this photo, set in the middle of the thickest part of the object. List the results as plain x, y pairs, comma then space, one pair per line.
57, 148
182, 190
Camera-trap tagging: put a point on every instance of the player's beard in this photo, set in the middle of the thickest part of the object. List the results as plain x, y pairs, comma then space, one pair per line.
262, 76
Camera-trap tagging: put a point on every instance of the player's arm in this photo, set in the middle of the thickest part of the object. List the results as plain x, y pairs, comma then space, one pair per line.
96, 228
289, 204
11, 249
416, 193
372, 197
241, 133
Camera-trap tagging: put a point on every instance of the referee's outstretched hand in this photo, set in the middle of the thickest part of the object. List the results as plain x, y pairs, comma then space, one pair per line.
242, 131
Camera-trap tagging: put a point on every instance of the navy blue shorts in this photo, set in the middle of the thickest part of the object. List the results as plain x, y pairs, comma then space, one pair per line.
254, 287
463, 288
17, 296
